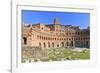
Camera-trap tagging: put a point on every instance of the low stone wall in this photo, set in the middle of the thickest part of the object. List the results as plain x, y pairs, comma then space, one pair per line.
31, 53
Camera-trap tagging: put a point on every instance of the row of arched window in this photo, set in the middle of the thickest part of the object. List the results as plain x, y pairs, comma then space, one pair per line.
76, 33
73, 38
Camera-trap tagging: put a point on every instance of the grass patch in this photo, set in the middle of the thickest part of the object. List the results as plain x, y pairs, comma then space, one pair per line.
68, 54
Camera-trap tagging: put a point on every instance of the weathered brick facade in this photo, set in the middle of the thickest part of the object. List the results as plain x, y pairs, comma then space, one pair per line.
54, 36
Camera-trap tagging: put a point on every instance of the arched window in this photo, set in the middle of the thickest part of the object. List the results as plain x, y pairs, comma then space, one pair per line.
78, 33
75, 33
66, 33
42, 28
42, 37
46, 38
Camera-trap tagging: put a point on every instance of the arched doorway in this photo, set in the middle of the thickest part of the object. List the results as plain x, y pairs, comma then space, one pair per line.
71, 44
87, 44
52, 44
25, 40
57, 45
67, 43
48, 44
62, 44
39, 44
44, 45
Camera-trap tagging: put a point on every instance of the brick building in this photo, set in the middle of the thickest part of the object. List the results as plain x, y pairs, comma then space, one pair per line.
54, 35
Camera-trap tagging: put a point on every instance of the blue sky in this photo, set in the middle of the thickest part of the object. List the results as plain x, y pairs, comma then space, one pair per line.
47, 17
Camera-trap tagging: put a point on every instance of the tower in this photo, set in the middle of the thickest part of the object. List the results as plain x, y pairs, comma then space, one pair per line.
56, 21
